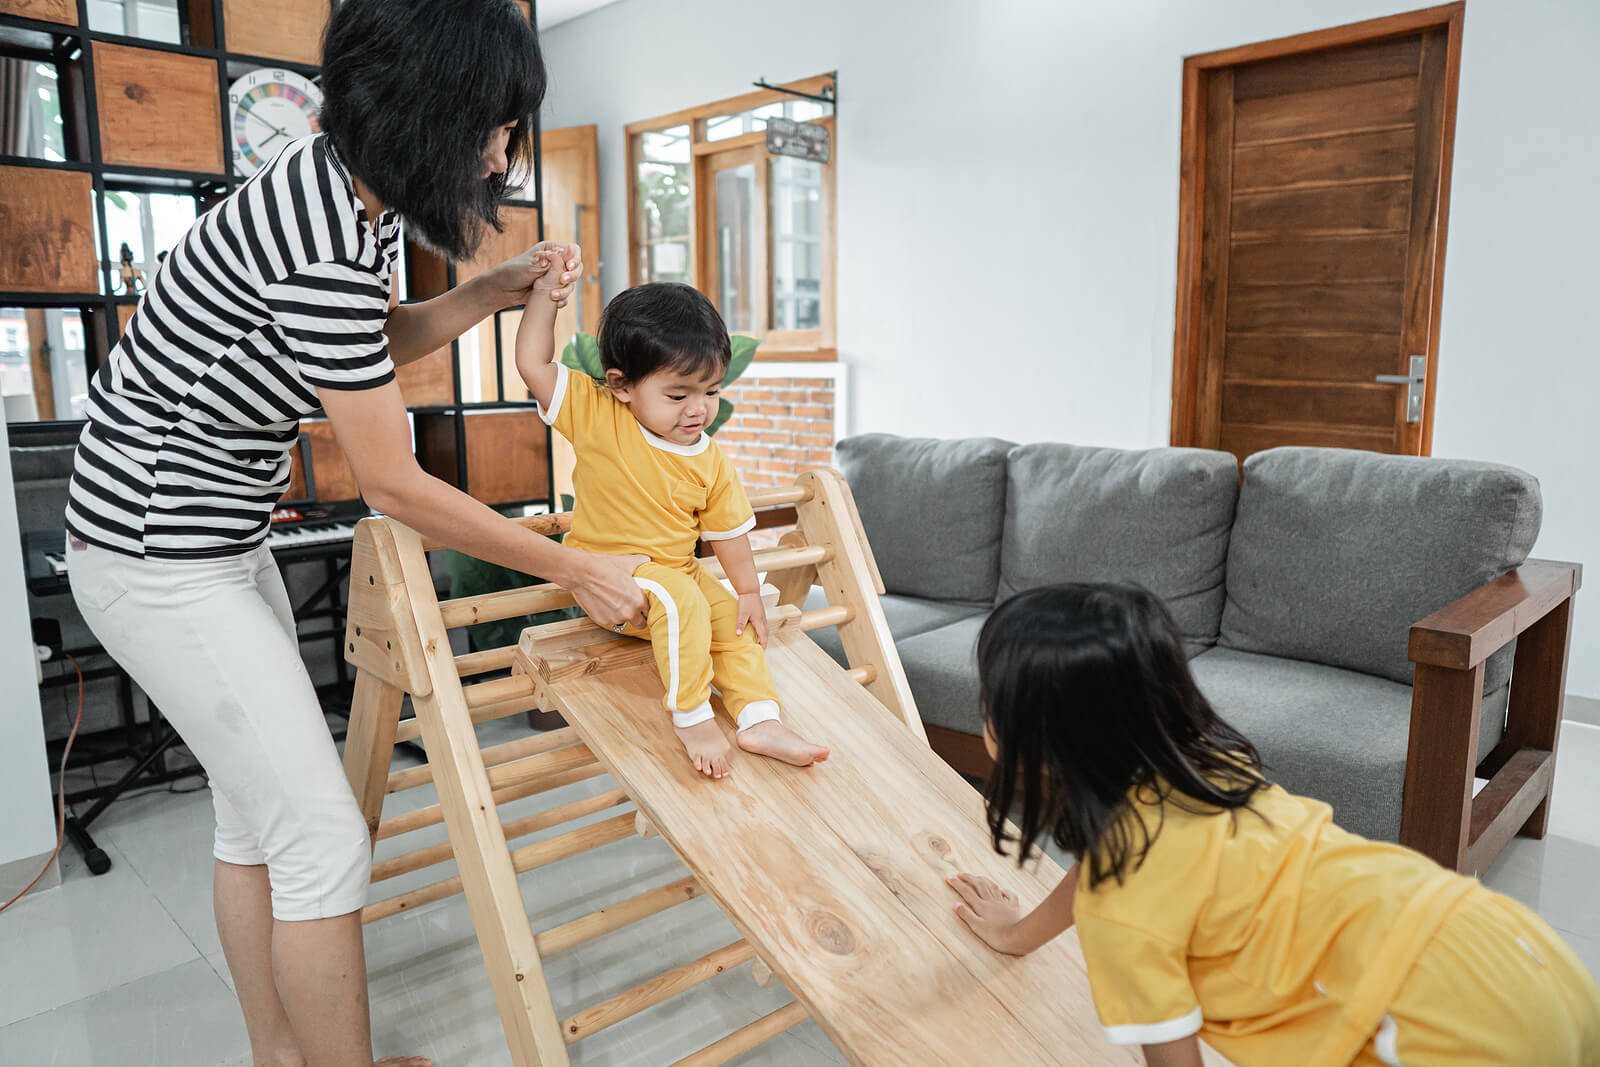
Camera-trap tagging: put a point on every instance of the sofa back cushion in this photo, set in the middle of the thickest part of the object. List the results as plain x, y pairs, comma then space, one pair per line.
1159, 518
1336, 553
932, 511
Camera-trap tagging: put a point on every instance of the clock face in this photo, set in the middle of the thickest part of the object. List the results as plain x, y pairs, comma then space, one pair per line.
271, 107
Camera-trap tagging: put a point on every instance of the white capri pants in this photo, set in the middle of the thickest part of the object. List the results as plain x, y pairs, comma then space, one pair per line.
212, 643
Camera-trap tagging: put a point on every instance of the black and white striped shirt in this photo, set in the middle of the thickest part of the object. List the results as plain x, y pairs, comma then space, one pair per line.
281, 289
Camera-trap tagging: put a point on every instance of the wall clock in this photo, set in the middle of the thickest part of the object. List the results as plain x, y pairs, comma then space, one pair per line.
271, 107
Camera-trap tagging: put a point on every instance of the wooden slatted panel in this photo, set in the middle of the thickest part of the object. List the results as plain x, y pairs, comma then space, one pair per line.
1365, 106
1385, 155
1327, 357
1332, 66
1321, 260
1372, 207
1357, 308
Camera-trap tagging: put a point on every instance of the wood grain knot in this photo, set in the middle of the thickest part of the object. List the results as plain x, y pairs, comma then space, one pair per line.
831, 933
137, 93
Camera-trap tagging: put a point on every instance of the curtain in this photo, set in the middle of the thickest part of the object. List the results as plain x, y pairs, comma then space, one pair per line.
16, 105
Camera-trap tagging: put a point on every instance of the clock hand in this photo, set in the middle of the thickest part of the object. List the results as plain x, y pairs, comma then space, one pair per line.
276, 129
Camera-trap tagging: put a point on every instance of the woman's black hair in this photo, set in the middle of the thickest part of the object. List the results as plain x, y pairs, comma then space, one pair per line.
662, 326
1087, 693
412, 92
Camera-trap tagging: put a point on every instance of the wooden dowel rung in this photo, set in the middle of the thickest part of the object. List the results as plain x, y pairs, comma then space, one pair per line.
748, 1037
432, 815
494, 756
777, 559
491, 607
531, 768
834, 615
492, 659
866, 674
626, 1005
771, 498
411, 729
439, 853
598, 923
524, 859
498, 690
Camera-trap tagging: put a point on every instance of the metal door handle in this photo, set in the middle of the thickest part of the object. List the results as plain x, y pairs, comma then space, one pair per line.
1414, 383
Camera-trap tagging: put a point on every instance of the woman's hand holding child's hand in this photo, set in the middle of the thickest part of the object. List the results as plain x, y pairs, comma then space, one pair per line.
754, 612
548, 267
990, 911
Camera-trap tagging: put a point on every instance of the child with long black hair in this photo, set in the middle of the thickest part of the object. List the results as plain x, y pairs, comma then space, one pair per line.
1210, 903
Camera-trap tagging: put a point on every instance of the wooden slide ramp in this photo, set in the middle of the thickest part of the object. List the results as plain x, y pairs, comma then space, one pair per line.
834, 875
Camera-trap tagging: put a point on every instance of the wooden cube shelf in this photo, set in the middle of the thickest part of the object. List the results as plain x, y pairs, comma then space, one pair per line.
158, 109
62, 11
429, 381
427, 277
285, 29
507, 454
47, 225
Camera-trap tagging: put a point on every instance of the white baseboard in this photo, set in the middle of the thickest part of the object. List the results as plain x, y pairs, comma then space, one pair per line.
18, 873
1582, 709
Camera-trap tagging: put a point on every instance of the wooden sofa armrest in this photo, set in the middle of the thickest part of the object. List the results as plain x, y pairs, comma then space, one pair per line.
1463, 634
1440, 816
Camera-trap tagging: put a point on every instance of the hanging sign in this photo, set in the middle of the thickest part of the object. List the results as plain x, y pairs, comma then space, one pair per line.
803, 140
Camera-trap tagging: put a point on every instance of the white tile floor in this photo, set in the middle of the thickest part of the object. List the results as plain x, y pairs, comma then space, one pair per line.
125, 969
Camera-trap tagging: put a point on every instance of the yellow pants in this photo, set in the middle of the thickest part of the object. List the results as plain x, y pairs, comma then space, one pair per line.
1496, 987
691, 626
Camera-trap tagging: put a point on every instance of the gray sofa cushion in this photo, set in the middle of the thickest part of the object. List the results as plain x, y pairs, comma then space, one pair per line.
932, 511
1336, 553
1333, 734
942, 667
907, 616
1159, 517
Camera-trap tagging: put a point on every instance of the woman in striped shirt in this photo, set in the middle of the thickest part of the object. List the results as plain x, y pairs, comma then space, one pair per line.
278, 302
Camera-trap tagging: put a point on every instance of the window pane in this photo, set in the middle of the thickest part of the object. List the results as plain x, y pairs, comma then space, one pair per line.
32, 127
736, 267
63, 394
663, 205
154, 20
796, 243
665, 146
723, 127
149, 225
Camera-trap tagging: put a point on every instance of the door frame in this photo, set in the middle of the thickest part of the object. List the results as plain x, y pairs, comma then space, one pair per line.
1199, 73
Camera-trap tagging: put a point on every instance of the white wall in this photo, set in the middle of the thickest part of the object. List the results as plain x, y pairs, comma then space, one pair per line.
1008, 208
27, 821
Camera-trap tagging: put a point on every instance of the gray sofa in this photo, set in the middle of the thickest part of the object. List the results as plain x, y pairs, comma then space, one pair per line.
1295, 589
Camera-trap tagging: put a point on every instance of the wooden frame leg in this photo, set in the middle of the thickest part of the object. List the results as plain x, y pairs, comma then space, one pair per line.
1538, 695
369, 744
1441, 758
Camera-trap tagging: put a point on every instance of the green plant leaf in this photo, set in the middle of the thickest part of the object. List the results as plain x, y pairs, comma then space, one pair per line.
744, 350
583, 354
724, 412
117, 199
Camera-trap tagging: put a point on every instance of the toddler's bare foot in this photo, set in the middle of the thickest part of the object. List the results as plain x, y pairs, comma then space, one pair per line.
707, 748
404, 1061
772, 738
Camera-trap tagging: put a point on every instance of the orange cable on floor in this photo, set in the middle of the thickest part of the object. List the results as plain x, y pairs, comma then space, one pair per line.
61, 794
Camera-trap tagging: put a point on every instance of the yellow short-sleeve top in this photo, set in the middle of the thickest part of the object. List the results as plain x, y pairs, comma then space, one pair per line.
1269, 923
637, 492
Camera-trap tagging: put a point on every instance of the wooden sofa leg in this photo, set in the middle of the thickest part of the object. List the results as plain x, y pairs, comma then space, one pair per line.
1538, 695
1436, 807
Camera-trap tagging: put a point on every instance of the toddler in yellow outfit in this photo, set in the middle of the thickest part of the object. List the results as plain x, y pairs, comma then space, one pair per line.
1212, 904
650, 481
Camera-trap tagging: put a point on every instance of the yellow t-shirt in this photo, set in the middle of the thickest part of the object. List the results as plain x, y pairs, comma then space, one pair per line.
1271, 924
636, 492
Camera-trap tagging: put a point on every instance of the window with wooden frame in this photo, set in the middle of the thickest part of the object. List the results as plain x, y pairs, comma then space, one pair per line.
754, 232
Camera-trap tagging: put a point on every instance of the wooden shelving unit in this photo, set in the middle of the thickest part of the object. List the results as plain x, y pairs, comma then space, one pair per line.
146, 116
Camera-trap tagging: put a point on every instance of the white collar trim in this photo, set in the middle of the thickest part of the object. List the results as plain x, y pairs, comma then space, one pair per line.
670, 446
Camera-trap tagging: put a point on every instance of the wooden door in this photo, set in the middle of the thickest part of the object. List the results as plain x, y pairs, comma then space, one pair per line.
1312, 231
731, 211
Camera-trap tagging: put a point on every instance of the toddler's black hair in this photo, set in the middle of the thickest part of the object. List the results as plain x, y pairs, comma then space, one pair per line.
1087, 692
662, 326
412, 92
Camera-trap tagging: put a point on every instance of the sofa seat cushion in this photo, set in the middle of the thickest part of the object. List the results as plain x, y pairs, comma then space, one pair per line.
932, 511
907, 616
1159, 517
1336, 553
942, 667
1339, 736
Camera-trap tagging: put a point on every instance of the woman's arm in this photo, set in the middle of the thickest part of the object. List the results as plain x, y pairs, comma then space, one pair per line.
415, 330
994, 916
371, 427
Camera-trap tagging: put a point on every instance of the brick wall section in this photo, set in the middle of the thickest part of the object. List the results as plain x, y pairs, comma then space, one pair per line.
780, 427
